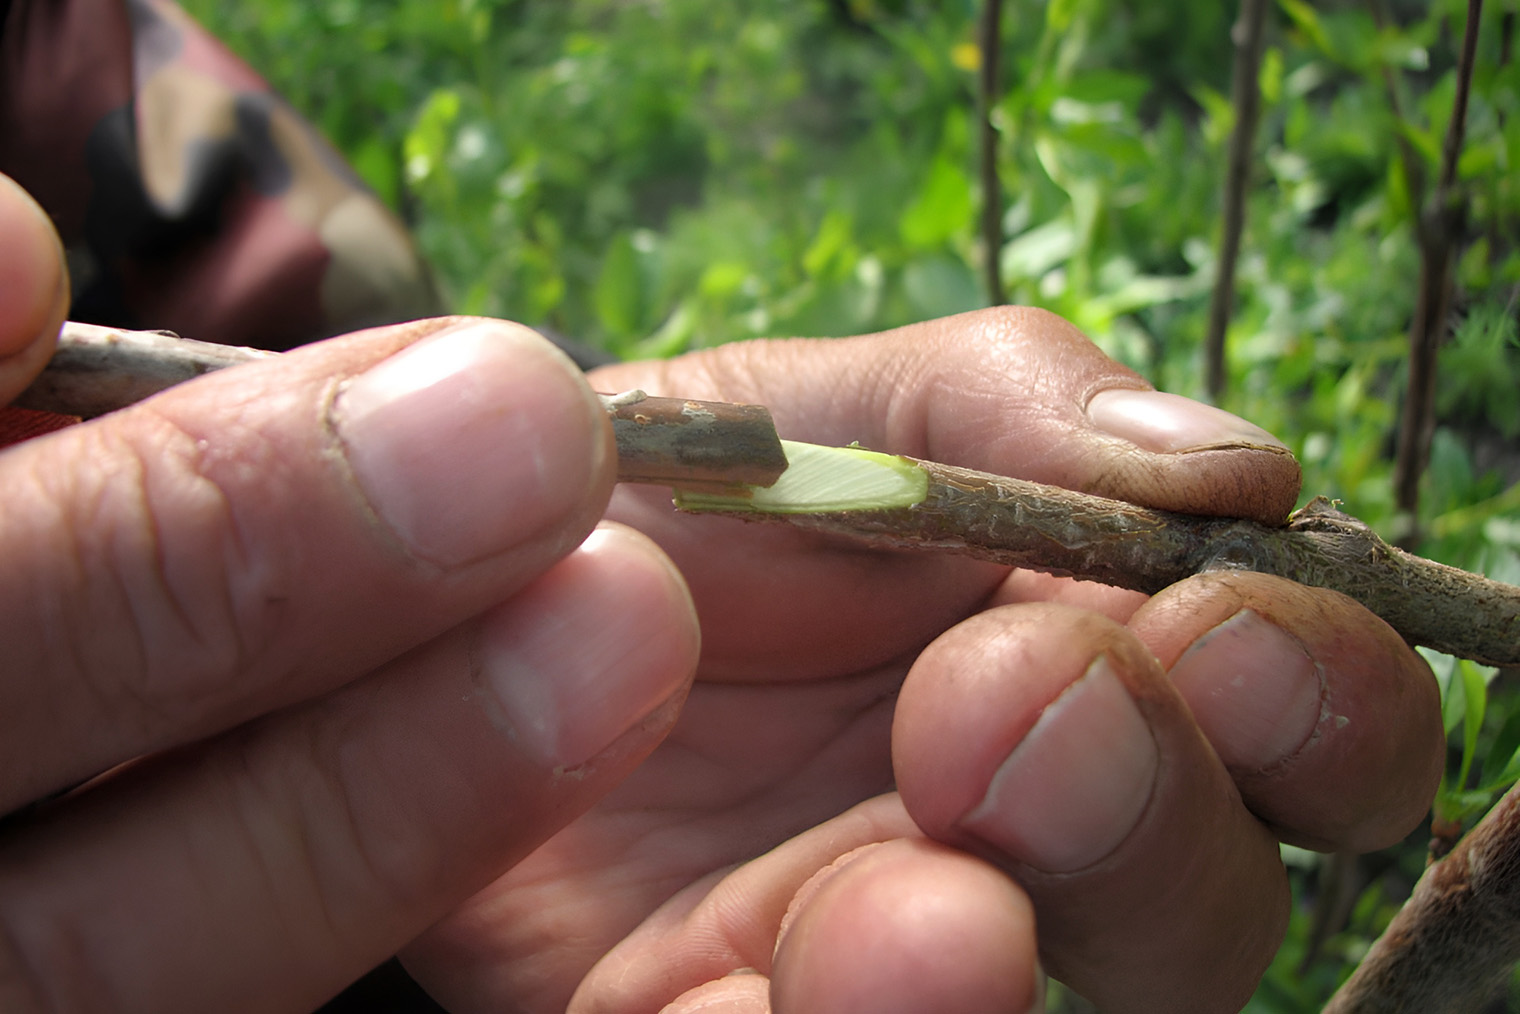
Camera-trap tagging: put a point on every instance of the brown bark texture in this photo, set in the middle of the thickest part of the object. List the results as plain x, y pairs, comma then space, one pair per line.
1026, 524
1452, 944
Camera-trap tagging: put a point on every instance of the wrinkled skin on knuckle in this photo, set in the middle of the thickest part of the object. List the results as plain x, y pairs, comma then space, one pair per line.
172, 602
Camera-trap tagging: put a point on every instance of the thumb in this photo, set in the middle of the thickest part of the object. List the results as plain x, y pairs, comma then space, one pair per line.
263, 535
1011, 390
34, 289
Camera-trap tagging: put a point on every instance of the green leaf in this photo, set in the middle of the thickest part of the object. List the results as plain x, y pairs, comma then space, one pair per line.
619, 293
428, 141
1475, 690
1306, 18
1270, 78
1453, 700
942, 209
833, 250
1499, 765
938, 286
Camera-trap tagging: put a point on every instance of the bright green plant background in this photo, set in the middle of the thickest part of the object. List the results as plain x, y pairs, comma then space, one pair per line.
657, 175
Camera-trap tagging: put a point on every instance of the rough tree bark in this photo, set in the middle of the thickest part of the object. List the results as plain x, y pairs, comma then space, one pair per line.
1454, 941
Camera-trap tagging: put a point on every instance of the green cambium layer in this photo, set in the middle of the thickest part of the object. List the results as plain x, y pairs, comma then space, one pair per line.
821, 479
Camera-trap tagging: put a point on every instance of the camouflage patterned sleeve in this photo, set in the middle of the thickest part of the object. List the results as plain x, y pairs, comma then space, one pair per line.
188, 195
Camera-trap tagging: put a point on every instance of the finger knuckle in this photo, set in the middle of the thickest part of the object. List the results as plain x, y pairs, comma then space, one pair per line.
170, 598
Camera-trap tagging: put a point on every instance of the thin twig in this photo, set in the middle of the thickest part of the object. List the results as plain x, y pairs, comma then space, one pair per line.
709, 445
1439, 223
96, 369
1246, 93
1009, 521
1030, 525
700, 444
992, 190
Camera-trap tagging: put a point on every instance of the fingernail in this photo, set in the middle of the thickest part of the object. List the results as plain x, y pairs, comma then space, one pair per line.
472, 441
590, 650
1253, 690
1170, 423
1075, 786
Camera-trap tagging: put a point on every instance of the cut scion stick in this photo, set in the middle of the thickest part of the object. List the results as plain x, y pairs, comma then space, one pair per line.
710, 445
822, 479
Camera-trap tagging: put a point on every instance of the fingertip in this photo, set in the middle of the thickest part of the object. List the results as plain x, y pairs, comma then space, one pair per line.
1049, 741
1174, 453
34, 288
475, 438
1330, 723
1031, 696
910, 925
591, 650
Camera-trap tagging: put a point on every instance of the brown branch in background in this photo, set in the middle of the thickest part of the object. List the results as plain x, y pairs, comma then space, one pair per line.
992, 190
1440, 222
1452, 944
1245, 89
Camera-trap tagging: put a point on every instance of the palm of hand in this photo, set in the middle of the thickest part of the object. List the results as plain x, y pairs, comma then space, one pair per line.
763, 751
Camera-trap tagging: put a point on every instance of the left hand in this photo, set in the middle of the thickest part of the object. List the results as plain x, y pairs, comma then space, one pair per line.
1087, 779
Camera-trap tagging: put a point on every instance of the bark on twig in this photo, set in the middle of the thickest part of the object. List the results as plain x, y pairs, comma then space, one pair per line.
992, 190
1246, 94
96, 369
706, 445
1454, 941
699, 444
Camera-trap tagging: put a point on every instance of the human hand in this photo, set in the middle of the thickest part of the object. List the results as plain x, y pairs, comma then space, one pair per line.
333, 626
1088, 779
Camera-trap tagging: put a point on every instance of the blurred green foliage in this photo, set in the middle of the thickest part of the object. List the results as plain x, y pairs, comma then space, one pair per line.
655, 175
